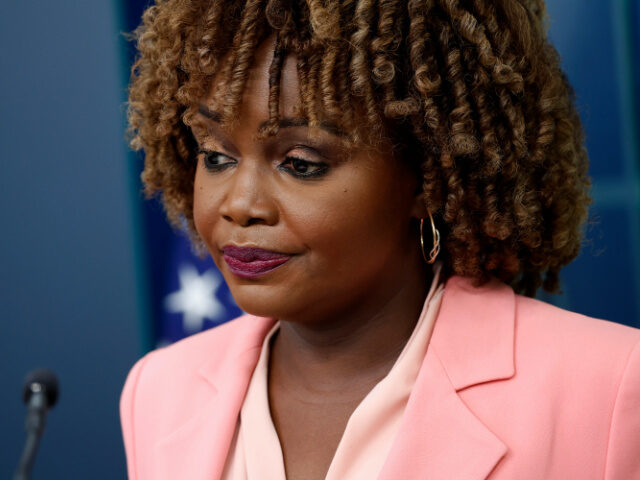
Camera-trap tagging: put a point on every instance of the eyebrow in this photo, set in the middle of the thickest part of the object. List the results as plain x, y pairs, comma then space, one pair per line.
287, 122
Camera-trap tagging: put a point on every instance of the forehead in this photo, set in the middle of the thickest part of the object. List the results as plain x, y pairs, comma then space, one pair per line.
253, 114
255, 94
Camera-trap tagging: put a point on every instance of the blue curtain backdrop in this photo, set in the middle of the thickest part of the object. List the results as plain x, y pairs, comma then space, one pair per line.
598, 42
67, 275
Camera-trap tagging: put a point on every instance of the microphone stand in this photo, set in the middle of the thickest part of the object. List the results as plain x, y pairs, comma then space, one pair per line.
40, 394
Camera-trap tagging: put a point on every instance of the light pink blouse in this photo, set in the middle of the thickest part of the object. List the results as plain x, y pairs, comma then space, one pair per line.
255, 452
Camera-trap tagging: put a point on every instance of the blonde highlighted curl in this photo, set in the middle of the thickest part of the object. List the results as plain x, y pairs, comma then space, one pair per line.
471, 90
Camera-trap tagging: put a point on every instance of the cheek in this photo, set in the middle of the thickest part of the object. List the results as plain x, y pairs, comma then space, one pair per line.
204, 208
360, 218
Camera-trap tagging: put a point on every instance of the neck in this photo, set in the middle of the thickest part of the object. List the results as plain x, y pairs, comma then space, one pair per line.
356, 347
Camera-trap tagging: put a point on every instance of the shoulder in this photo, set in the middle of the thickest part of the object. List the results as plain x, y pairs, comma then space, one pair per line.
591, 365
493, 322
561, 355
215, 343
553, 332
569, 384
180, 361
172, 376
167, 384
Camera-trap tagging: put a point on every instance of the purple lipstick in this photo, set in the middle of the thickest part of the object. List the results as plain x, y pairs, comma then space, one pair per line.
251, 263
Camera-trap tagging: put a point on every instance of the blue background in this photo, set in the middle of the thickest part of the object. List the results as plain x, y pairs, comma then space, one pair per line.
68, 274
79, 275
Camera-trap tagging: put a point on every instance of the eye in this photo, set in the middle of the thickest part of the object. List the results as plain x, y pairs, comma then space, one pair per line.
215, 161
301, 168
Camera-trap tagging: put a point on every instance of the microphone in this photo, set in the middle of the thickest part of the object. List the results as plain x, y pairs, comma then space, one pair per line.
39, 393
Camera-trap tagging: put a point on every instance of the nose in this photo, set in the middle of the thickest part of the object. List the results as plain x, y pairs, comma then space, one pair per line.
248, 198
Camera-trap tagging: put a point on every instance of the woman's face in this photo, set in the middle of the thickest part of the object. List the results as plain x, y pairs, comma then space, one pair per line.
300, 226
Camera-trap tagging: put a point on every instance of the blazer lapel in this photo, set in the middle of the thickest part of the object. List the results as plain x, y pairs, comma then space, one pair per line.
198, 449
472, 343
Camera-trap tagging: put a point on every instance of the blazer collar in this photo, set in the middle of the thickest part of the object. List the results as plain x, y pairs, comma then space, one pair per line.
474, 334
222, 368
472, 344
439, 438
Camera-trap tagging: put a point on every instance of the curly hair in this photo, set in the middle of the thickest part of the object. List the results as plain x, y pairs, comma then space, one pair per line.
471, 89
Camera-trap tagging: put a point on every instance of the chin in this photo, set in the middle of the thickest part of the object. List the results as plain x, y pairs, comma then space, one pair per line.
257, 300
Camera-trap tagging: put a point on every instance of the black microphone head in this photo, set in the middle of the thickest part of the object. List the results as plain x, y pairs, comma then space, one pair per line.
41, 380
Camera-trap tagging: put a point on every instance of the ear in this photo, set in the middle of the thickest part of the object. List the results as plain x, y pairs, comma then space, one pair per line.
419, 207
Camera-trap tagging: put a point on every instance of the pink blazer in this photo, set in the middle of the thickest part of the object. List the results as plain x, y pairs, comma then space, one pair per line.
510, 388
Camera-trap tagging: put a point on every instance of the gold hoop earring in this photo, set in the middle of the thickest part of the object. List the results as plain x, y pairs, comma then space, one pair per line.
433, 254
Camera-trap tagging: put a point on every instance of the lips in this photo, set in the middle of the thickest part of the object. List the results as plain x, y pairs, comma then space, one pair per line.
248, 262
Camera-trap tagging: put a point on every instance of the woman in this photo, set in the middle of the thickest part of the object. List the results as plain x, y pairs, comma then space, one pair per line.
375, 181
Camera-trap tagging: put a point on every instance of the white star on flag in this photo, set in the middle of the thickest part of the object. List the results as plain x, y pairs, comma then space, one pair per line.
196, 298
